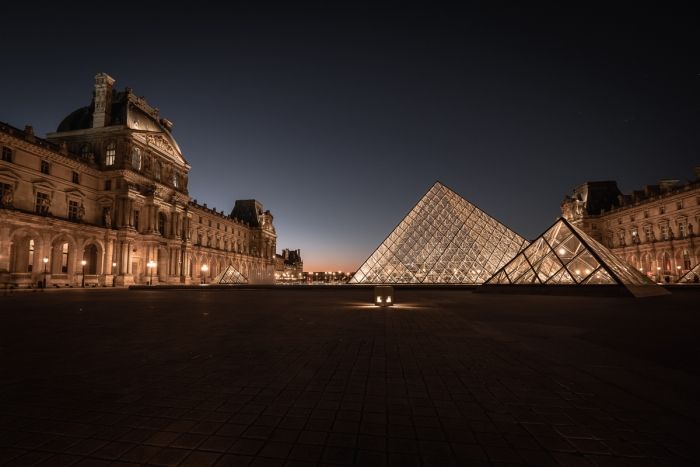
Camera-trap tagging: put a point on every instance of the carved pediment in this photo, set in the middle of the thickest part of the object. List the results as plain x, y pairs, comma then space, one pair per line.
161, 143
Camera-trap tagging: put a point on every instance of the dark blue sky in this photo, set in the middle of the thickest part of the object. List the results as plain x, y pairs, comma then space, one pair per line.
339, 118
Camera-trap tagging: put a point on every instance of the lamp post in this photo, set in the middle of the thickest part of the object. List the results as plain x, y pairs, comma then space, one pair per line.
114, 276
151, 265
205, 268
658, 274
83, 262
678, 273
46, 260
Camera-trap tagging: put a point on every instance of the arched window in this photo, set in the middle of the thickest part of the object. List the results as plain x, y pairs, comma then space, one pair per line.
136, 159
64, 258
110, 154
157, 170
30, 261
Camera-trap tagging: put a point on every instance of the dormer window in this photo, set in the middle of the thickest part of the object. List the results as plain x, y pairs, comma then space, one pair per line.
110, 154
136, 159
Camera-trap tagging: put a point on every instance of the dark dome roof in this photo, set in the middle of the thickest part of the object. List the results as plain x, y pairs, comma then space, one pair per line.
77, 120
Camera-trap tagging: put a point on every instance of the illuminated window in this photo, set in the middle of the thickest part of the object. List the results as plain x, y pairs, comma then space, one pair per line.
136, 159
30, 263
6, 154
64, 257
110, 154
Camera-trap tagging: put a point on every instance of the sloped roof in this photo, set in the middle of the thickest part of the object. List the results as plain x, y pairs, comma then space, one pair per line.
230, 275
565, 255
443, 239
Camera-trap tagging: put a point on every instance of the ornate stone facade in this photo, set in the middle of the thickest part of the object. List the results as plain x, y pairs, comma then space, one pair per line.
109, 188
654, 229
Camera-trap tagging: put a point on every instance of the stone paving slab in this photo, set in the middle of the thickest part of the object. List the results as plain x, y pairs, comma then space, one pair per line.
320, 378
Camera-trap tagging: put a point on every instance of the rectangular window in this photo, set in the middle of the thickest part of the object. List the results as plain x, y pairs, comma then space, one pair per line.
110, 154
632, 218
679, 204
42, 203
621, 237
64, 258
648, 233
6, 154
30, 261
73, 208
136, 219
635, 236
665, 232
662, 209
108, 185
681, 229
199, 239
646, 214
45, 167
76, 177
200, 219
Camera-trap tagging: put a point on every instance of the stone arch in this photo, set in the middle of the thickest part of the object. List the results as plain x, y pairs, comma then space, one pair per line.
633, 261
25, 251
63, 254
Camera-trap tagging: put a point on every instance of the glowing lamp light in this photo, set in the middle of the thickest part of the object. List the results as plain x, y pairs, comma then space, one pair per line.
46, 260
562, 251
83, 262
383, 295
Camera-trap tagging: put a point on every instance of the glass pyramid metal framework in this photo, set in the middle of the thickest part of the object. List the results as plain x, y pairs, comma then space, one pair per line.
230, 275
691, 277
444, 239
565, 255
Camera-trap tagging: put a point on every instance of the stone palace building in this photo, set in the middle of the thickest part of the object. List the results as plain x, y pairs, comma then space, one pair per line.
654, 229
104, 201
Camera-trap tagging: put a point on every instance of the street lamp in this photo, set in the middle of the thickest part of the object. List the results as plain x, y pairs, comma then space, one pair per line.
678, 268
83, 262
151, 265
205, 268
114, 277
46, 260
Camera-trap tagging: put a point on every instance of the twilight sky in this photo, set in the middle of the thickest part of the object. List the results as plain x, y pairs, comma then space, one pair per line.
338, 119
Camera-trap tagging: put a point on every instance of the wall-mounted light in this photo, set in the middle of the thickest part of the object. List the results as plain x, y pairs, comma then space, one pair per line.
383, 295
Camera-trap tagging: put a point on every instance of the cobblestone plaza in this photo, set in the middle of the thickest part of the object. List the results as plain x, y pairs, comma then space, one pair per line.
281, 377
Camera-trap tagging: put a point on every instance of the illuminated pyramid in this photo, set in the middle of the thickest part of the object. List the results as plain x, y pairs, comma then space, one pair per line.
691, 277
230, 275
444, 239
565, 255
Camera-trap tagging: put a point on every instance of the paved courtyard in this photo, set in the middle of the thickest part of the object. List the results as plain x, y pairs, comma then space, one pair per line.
317, 377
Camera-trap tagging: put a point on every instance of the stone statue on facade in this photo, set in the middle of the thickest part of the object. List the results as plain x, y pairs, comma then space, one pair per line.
45, 205
107, 217
7, 197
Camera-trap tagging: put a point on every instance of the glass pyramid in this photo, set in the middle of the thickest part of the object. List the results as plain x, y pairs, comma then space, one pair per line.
565, 255
691, 277
230, 275
444, 239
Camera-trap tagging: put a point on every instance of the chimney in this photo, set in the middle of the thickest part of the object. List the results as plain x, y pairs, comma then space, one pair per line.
103, 100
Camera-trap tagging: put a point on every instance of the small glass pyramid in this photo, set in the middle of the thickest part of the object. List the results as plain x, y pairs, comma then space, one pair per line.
444, 239
565, 255
692, 276
230, 275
